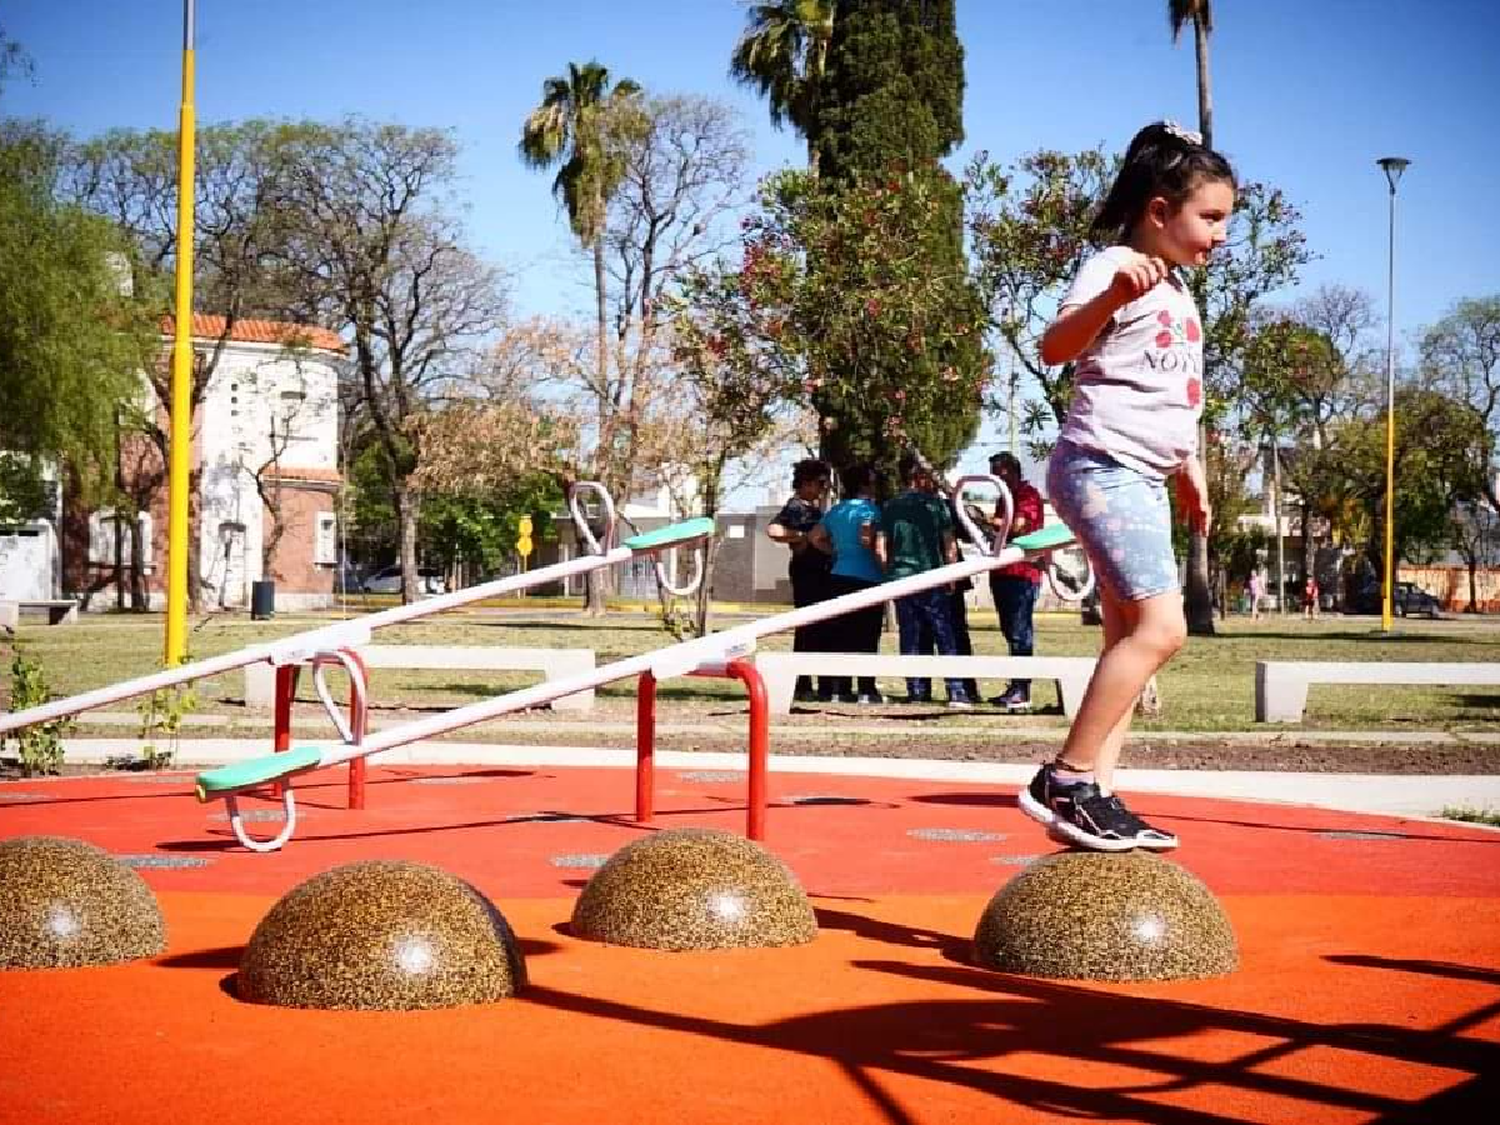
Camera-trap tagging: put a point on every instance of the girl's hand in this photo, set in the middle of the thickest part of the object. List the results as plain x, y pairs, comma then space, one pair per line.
1192, 496
1137, 276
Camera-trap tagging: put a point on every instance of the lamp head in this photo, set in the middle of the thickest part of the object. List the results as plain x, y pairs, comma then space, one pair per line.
1393, 166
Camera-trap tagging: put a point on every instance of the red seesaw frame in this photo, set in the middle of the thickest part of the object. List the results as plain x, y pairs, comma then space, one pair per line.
760, 740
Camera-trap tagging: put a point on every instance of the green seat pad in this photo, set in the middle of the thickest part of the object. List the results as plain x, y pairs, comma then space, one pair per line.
671, 534
1053, 535
257, 771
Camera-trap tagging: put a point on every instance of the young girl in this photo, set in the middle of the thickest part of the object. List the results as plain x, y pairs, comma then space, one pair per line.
1132, 329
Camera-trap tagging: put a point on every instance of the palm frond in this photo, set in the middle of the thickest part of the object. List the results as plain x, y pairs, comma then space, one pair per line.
1180, 13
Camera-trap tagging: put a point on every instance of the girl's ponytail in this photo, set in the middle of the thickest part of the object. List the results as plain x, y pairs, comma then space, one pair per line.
1163, 159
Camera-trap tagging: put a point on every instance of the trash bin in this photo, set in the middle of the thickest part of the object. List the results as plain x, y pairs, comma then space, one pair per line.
262, 600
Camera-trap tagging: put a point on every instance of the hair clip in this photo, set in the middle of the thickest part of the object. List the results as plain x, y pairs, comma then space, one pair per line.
1182, 134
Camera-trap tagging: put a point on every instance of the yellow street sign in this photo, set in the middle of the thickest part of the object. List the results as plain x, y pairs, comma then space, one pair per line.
523, 527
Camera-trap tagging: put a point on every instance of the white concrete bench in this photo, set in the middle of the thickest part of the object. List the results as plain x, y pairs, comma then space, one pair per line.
1281, 685
781, 669
59, 611
553, 663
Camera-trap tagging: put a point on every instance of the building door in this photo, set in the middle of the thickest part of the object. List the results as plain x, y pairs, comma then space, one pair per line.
25, 564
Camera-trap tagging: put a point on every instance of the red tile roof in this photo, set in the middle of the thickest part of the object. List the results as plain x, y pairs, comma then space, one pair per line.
207, 327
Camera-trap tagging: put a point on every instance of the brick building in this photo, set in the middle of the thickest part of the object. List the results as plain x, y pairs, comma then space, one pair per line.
265, 440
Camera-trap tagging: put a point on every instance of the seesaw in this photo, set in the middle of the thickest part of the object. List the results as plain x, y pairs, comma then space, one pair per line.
334, 643
702, 656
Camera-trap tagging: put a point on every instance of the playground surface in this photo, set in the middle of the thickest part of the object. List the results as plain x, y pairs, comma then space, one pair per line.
1369, 989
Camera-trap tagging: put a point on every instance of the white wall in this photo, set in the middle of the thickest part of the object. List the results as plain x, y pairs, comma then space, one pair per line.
253, 385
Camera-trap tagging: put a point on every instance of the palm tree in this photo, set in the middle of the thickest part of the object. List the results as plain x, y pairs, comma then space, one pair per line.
1198, 601
573, 127
783, 56
1200, 14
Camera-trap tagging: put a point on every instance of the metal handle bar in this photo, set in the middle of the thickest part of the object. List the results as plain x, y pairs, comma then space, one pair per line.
991, 541
580, 519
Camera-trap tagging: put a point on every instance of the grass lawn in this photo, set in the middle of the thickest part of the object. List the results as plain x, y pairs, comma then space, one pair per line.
1208, 687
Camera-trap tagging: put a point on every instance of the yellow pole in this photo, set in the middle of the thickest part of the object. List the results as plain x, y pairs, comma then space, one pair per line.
182, 367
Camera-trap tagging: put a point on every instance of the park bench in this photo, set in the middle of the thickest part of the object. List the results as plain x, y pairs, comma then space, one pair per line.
1281, 685
553, 663
59, 611
781, 669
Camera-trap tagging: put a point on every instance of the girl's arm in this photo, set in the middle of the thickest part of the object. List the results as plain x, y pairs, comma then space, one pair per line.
1192, 494
1078, 326
818, 537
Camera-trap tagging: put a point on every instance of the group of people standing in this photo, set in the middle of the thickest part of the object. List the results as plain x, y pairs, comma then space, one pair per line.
859, 543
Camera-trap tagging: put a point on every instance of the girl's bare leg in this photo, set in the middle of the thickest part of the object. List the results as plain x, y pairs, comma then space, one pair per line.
1145, 635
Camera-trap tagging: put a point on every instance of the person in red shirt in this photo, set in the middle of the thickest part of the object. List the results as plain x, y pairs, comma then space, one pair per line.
1015, 587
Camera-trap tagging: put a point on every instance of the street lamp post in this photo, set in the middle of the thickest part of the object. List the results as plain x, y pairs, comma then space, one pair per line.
1393, 166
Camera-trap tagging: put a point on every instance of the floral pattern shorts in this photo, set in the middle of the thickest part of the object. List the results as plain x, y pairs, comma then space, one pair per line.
1121, 518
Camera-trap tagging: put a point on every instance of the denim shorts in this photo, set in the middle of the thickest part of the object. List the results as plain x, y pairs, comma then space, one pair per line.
1120, 517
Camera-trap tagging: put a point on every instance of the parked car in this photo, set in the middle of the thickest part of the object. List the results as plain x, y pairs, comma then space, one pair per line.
388, 581
1410, 601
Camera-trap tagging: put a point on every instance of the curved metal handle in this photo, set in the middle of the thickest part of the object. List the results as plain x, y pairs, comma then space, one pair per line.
357, 684
1085, 588
994, 538
580, 520
691, 587
236, 822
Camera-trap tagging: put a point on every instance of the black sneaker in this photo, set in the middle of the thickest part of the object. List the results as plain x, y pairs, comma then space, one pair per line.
1079, 814
804, 695
869, 698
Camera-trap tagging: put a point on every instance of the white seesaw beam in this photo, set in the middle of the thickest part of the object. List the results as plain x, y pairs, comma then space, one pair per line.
350, 634
681, 658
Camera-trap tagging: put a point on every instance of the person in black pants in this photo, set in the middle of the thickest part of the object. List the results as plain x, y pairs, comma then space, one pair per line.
958, 604
809, 567
847, 532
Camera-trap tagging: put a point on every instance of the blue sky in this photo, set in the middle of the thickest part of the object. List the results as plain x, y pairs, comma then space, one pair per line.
1307, 96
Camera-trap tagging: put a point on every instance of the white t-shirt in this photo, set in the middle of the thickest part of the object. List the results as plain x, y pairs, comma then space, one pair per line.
1139, 385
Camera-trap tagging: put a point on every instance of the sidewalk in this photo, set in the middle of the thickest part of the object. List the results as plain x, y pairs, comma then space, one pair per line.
1422, 795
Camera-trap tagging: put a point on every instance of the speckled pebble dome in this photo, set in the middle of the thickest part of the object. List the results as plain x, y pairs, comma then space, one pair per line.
1098, 916
381, 935
694, 888
65, 903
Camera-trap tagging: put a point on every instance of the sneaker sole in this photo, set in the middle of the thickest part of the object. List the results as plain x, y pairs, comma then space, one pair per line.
1066, 832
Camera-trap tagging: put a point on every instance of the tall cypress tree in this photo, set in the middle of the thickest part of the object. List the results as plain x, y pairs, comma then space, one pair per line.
893, 92
890, 108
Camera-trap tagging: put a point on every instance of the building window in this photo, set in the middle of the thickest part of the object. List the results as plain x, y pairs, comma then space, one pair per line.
326, 548
105, 526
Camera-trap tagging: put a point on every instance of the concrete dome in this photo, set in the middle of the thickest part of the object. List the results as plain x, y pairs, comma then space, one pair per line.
694, 888
65, 903
1100, 916
381, 935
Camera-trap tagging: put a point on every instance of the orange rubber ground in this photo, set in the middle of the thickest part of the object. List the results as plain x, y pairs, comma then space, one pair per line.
1369, 989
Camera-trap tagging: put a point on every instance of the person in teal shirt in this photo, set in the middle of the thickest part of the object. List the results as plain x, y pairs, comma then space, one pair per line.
847, 532
916, 535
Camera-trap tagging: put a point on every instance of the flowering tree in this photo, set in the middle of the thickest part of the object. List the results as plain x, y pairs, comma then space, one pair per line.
848, 301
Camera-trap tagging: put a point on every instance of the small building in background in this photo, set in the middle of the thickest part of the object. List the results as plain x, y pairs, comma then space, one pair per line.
265, 451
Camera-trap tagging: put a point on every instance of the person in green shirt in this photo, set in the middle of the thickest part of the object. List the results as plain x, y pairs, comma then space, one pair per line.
916, 535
